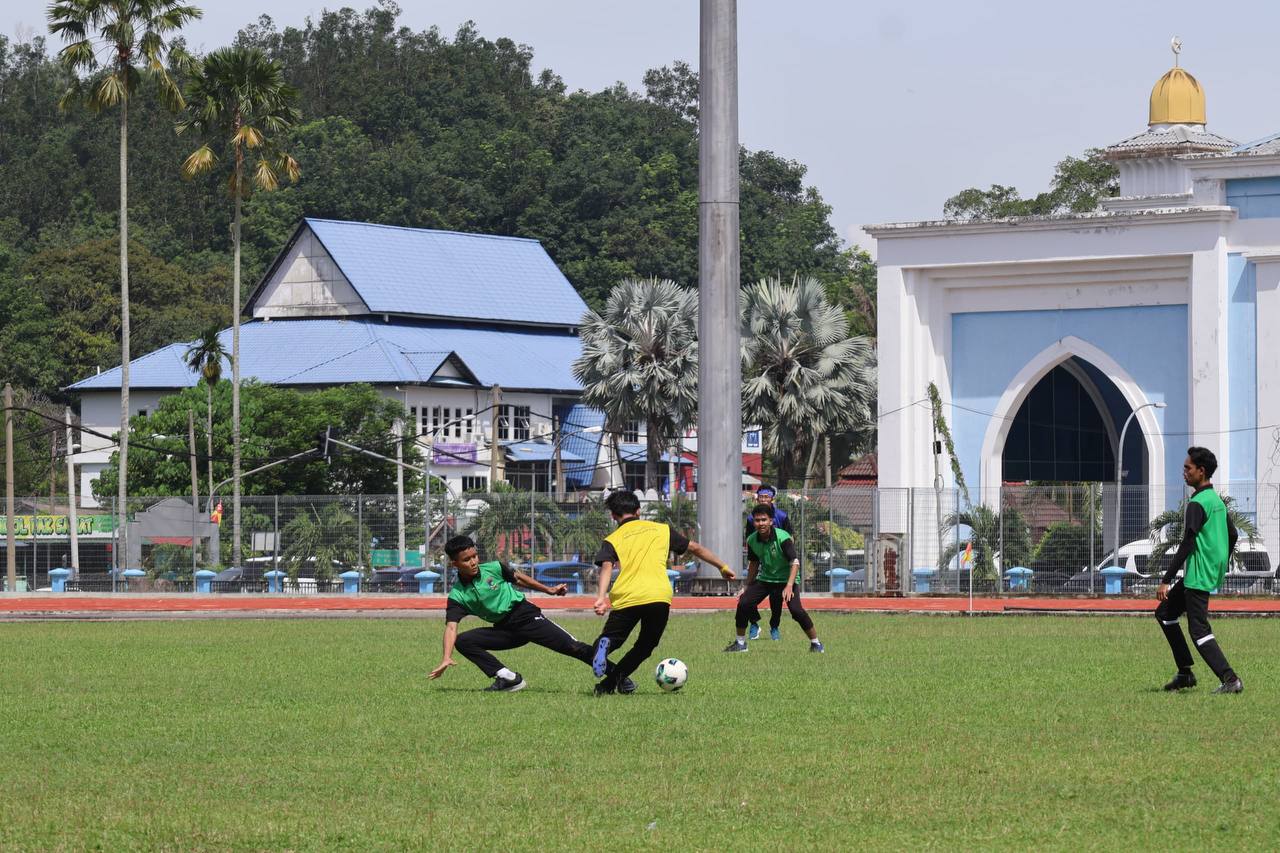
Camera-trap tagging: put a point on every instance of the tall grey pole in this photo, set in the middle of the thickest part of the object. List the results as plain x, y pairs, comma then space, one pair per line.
195, 495
73, 520
11, 554
399, 430
719, 334
1120, 472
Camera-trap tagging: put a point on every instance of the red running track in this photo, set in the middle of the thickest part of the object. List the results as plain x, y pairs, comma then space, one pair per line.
142, 603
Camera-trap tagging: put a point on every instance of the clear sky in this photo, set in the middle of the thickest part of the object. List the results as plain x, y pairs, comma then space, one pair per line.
893, 106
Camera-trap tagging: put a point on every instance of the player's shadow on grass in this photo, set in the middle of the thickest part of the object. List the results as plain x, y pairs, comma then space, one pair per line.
588, 691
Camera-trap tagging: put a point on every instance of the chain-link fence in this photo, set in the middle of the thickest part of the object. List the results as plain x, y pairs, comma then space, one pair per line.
1057, 539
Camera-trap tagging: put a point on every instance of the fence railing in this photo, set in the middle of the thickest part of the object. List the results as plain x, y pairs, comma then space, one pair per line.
1035, 539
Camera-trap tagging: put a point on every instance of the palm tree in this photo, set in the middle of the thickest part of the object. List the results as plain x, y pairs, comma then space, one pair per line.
239, 101
328, 536
803, 376
131, 34
583, 532
985, 526
505, 519
1165, 530
205, 357
640, 362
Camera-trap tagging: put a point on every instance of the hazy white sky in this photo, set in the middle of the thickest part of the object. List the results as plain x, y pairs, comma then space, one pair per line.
893, 106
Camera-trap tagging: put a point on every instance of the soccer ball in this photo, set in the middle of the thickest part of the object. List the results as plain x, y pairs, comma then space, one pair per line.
671, 674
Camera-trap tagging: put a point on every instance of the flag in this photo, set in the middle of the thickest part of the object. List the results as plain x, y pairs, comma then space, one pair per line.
216, 515
967, 558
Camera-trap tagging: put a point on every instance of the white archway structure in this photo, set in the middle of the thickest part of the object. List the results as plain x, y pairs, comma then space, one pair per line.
1035, 370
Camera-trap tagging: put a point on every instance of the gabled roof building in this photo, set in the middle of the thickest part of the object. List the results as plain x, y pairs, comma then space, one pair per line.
435, 319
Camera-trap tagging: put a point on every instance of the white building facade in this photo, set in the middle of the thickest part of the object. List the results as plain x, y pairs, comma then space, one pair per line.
1044, 334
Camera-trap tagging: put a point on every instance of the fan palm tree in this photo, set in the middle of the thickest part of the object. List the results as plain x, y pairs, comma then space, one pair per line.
1165, 531
506, 518
582, 533
640, 362
205, 357
238, 102
985, 525
131, 35
803, 376
329, 536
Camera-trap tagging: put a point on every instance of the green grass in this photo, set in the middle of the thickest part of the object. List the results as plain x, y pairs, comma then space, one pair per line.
910, 732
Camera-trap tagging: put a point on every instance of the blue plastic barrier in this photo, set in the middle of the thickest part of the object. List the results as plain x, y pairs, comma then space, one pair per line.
350, 582
923, 578
839, 577
1019, 578
58, 579
1114, 576
203, 579
275, 580
426, 581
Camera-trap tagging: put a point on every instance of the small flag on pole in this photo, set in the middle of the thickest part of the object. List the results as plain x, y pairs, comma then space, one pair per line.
216, 515
967, 558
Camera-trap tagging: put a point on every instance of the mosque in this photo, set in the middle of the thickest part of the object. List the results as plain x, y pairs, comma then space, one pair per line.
1046, 335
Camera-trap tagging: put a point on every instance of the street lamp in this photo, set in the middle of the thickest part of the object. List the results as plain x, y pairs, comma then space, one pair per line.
1120, 471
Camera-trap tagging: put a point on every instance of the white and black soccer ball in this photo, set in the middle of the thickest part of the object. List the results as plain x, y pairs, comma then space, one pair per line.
671, 674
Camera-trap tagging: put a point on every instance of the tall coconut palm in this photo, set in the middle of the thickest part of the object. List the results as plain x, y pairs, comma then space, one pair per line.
640, 362
131, 35
205, 357
803, 376
238, 105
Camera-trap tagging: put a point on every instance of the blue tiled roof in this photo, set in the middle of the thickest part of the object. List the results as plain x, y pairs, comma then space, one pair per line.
362, 349
574, 420
1265, 145
450, 275
539, 451
639, 453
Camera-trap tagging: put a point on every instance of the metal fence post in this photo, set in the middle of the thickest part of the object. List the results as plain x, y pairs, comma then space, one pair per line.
1000, 517
360, 529
275, 537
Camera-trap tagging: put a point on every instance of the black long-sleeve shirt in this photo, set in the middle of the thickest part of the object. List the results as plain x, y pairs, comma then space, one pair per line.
1191, 525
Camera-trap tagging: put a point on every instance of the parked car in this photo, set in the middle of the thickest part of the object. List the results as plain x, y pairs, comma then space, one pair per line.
239, 579
570, 572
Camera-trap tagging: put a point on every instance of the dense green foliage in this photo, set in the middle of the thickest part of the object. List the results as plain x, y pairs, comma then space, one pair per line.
404, 127
1078, 183
910, 733
276, 422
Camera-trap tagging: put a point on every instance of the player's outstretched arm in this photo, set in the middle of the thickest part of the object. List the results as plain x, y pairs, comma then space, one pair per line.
538, 586
446, 660
602, 598
704, 554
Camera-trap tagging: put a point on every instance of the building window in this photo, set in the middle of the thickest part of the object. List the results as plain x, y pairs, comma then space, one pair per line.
530, 476
513, 423
470, 430
413, 420
142, 413
457, 423
633, 476
631, 432
436, 419
475, 484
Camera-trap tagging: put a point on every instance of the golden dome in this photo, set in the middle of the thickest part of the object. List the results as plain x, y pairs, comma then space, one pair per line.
1177, 99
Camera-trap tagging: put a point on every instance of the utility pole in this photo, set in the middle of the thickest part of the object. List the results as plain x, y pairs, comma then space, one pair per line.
72, 516
719, 364
399, 430
195, 495
495, 451
11, 556
555, 430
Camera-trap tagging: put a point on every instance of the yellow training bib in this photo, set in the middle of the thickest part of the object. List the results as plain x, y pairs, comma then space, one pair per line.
643, 548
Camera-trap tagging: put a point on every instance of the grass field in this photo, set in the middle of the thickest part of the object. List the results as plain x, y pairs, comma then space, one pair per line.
910, 732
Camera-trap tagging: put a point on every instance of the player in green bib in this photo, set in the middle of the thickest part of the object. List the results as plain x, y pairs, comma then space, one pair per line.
1208, 539
491, 592
772, 564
